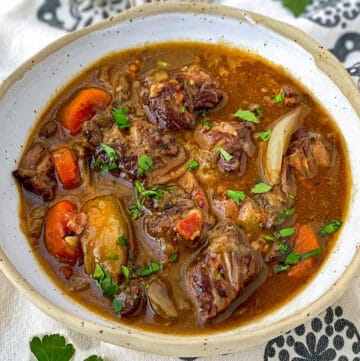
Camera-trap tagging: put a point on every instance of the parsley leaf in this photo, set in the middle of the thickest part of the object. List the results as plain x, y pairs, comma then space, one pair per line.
117, 306
279, 97
246, 115
261, 187
281, 268
173, 257
51, 348
154, 192
136, 209
265, 135
126, 272
120, 117
111, 165
287, 213
122, 241
218, 276
183, 108
329, 228
237, 196
206, 123
284, 248
259, 111
192, 165
145, 164
103, 280
153, 267
286, 232
114, 257
227, 156
313, 253
94, 358
297, 7
162, 64
293, 258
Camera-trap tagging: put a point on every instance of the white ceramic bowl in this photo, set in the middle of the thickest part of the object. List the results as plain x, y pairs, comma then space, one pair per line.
26, 92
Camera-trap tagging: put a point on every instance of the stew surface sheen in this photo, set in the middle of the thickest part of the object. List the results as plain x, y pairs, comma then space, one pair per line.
183, 185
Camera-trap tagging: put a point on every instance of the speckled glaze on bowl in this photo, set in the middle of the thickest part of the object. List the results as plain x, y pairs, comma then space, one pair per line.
25, 93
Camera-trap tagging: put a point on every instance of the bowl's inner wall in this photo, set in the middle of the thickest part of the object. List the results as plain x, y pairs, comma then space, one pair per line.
29, 95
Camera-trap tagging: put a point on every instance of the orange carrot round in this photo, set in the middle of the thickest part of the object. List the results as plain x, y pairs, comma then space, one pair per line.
56, 231
305, 241
83, 107
66, 167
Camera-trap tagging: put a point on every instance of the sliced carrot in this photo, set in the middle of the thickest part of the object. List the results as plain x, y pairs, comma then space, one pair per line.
57, 231
190, 227
305, 241
83, 107
66, 167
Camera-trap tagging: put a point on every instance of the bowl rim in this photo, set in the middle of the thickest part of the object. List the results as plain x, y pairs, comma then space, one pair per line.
177, 345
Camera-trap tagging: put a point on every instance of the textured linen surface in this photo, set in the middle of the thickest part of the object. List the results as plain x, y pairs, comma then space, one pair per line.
26, 26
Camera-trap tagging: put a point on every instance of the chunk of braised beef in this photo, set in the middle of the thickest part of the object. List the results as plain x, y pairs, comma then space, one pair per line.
173, 101
96, 126
309, 151
131, 298
37, 172
220, 274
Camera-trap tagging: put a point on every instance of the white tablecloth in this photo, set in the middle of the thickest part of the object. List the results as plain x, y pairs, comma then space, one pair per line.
26, 26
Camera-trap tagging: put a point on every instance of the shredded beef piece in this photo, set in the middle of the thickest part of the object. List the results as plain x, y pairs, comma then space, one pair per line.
131, 298
222, 271
36, 172
96, 126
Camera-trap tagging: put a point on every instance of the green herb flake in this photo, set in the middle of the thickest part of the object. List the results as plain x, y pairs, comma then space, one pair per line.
114, 257
192, 165
117, 306
173, 257
154, 192
218, 276
145, 284
281, 268
122, 241
264, 136
246, 115
186, 82
259, 111
51, 348
284, 248
135, 296
329, 228
120, 117
103, 279
286, 213
261, 187
183, 108
206, 123
269, 238
153, 267
227, 156
162, 64
236, 196
126, 272
286, 232
315, 252
291, 196
109, 151
297, 7
94, 358
136, 209
278, 98
145, 164
292, 258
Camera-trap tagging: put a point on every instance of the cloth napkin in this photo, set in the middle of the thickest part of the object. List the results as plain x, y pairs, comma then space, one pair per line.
26, 26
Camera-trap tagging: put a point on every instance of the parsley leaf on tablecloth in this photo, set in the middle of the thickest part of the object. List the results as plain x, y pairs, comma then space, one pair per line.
52, 348
94, 358
297, 7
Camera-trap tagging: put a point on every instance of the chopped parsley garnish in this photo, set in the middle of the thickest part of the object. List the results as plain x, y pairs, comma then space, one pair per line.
297, 7
173, 257
265, 135
278, 98
261, 187
114, 257
51, 348
286, 232
183, 108
122, 241
153, 267
237, 196
218, 276
206, 123
120, 117
281, 268
162, 64
145, 284
136, 209
286, 213
227, 156
284, 248
292, 258
117, 306
269, 238
111, 165
154, 192
126, 272
315, 252
259, 111
103, 280
94, 358
192, 165
246, 115
145, 164
330, 227
291, 196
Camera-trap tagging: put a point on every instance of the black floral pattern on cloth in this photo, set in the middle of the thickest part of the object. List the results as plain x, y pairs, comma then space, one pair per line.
331, 13
70, 15
324, 339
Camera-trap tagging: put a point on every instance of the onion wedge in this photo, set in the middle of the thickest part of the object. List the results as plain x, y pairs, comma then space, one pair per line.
285, 127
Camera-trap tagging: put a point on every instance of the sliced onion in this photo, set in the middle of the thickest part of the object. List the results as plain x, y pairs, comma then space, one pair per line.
285, 126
